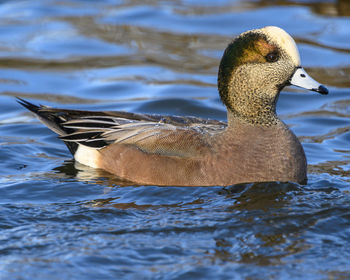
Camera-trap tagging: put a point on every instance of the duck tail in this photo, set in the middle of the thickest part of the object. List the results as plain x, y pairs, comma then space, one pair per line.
51, 118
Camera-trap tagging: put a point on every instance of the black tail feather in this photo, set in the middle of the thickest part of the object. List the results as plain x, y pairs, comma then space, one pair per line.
72, 147
30, 106
48, 119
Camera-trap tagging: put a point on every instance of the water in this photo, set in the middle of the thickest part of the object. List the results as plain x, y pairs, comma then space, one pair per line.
61, 220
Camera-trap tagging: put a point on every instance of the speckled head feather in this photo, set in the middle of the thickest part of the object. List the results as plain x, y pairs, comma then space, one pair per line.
254, 68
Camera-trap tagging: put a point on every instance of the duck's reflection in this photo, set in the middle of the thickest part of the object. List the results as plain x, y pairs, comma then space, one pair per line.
261, 196
262, 225
270, 227
73, 169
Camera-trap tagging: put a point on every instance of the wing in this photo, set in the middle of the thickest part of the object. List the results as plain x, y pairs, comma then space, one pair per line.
169, 135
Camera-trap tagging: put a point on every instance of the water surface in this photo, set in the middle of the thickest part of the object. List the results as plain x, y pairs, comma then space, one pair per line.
62, 220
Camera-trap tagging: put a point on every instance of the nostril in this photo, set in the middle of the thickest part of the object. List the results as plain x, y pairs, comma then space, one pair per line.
302, 75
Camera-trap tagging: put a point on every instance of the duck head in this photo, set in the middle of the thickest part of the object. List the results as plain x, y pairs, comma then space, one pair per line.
254, 68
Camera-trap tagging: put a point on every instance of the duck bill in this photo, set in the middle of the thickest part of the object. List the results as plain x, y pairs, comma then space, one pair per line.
301, 79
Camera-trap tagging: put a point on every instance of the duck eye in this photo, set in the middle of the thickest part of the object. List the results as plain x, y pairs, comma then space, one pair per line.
272, 56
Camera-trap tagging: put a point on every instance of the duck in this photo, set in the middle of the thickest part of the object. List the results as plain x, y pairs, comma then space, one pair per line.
254, 145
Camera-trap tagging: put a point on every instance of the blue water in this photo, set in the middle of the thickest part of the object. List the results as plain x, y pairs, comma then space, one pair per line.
62, 220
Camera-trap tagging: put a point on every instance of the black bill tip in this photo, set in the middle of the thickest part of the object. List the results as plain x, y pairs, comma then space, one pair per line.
321, 89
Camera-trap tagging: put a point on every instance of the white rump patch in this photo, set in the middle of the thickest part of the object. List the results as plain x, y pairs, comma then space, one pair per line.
283, 40
87, 155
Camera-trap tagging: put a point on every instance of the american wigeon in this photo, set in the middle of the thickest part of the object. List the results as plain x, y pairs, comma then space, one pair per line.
253, 146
